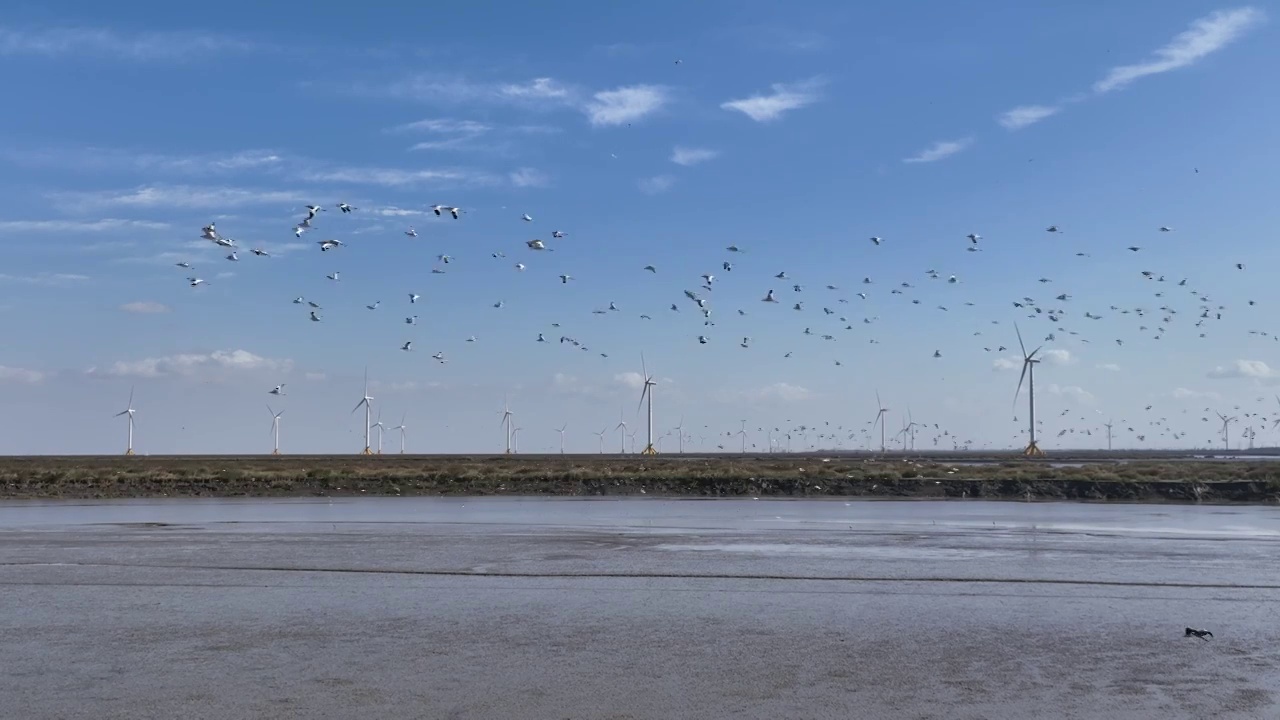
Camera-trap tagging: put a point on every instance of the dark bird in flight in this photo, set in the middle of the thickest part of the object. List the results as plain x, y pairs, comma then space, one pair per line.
1202, 634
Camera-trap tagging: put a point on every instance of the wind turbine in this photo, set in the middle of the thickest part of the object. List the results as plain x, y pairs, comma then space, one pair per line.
1226, 423
275, 429
368, 410
507, 417
622, 432
911, 430
743, 434
515, 431
600, 435
880, 413
647, 390
379, 425
129, 411
1028, 374
561, 431
1107, 425
680, 434
401, 427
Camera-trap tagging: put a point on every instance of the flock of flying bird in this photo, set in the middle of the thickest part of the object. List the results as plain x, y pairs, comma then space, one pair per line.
1055, 309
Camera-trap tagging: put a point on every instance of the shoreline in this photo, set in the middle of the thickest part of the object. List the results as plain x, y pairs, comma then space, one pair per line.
1137, 480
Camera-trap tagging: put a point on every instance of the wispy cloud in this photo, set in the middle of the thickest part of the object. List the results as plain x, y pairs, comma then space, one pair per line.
96, 158
1204, 37
691, 156
633, 380
1058, 356
940, 150
44, 278
21, 375
1073, 392
397, 212
178, 196
529, 177
105, 42
145, 307
1025, 115
542, 88
75, 226
395, 177
1110, 367
436, 89
779, 392
1006, 363
1255, 369
784, 97
625, 104
1185, 394
657, 184
446, 126
195, 364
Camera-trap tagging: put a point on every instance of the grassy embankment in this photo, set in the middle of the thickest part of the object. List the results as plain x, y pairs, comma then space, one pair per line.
785, 476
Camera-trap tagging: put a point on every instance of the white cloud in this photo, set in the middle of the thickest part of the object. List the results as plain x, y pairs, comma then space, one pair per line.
1185, 394
784, 97
104, 42
542, 88
13, 374
657, 184
940, 150
1007, 363
529, 177
444, 126
624, 104
195, 364
404, 386
44, 278
691, 156
1112, 367
1057, 357
1025, 115
1204, 37
314, 376
179, 196
434, 88
145, 307
72, 226
779, 392
633, 380
392, 177
397, 212
1256, 369
1073, 392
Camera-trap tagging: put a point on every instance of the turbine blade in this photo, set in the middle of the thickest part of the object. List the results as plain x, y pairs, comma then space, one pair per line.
1024, 347
357, 407
643, 368
273, 412
131, 388
1017, 392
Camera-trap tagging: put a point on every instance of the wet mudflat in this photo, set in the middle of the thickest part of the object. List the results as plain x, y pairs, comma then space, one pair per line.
636, 608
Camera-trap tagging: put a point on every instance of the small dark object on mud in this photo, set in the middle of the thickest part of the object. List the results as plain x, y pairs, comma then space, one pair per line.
1192, 632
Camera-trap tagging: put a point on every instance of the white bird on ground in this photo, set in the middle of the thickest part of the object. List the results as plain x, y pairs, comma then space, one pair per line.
277, 390
233, 257
375, 305
260, 252
413, 298
195, 281
407, 346
345, 207
326, 245
536, 245
333, 276
557, 234
314, 317
525, 217
411, 232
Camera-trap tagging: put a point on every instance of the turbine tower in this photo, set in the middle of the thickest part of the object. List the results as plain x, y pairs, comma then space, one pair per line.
880, 413
379, 425
275, 429
507, 417
600, 436
561, 431
647, 391
129, 411
911, 430
1107, 425
743, 434
1028, 374
1226, 424
401, 427
622, 432
680, 434
368, 410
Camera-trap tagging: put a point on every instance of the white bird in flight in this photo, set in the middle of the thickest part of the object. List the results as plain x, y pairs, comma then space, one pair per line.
411, 232
260, 252
195, 281
557, 234
769, 297
407, 346
536, 245
184, 265
233, 257
345, 207
526, 217
876, 240
411, 320
413, 298
326, 245
277, 390
314, 317
375, 305
519, 267
333, 276
564, 279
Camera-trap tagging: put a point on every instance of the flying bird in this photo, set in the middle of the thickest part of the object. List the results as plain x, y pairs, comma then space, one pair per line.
408, 346
345, 208
525, 217
326, 245
411, 232
1202, 634
277, 390
332, 276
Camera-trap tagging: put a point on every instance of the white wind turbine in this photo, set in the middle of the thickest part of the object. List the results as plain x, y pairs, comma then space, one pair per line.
401, 427
647, 390
561, 431
1107, 425
680, 434
743, 434
368, 410
1226, 424
600, 435
507, 417
880, 413
275, 429
1028, 374
129, 411
622, 432
379, 425
515, 432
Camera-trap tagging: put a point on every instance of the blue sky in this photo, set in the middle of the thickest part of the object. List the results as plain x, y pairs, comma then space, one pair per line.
795, 132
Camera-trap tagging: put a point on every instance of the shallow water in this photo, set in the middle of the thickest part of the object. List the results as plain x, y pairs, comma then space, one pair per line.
641, 607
